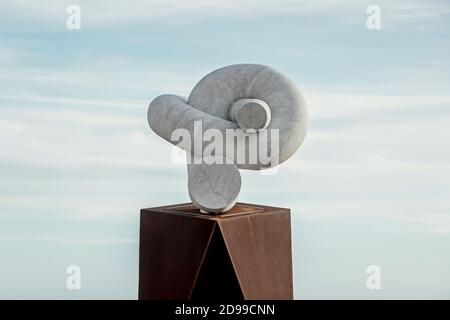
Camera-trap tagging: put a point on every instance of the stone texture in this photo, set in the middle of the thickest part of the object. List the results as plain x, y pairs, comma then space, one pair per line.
250, 114
211, 101
214, 185
213, 96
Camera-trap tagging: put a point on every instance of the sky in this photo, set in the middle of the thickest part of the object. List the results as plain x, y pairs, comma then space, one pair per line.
369, 186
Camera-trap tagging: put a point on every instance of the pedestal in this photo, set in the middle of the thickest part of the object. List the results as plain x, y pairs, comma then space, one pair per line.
242, 254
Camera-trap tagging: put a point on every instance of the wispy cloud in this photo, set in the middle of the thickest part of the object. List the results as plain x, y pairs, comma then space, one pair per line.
420, 10
65, 239
104, 13
116, 12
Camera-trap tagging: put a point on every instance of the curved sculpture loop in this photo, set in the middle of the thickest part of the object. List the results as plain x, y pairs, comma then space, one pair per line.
244, 116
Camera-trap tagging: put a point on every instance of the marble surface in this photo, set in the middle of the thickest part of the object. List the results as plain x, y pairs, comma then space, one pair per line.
236, 97
250, 114
214, 187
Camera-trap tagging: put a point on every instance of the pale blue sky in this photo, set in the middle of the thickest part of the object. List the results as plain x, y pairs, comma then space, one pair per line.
369, 186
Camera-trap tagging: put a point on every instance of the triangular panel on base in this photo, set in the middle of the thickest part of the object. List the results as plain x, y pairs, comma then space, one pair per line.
217, 279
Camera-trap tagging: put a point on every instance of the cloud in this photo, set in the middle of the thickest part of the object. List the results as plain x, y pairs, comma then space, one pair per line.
350, 105
103, 13
420, 10
150, 79
115, 12
64, 239
69, 132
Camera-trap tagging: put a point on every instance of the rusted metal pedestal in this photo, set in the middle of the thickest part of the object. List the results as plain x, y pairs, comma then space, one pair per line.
242, 254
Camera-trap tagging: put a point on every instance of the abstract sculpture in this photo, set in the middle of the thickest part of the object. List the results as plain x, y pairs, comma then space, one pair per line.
243, 116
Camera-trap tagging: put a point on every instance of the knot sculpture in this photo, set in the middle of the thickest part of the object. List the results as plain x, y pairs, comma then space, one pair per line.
243, 116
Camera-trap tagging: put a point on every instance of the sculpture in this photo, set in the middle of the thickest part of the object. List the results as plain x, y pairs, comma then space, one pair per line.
243, 116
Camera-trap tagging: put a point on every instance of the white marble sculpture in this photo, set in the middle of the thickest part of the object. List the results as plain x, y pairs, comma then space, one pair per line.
244, 109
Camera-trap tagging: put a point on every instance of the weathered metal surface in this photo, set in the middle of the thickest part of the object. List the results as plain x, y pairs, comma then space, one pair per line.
244, 253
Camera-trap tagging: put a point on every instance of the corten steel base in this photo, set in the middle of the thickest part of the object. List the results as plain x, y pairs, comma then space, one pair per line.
242, 254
